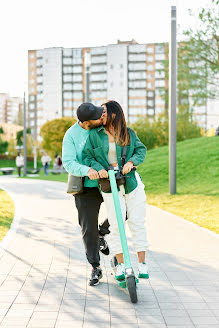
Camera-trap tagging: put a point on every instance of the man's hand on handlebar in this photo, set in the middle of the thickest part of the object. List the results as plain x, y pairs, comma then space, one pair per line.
127, 167
103, 174
93, 174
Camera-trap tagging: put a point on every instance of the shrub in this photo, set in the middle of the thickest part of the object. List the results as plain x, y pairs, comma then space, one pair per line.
155, 133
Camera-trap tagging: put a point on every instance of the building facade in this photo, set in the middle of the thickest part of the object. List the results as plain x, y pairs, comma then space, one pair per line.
11, 109
60, 79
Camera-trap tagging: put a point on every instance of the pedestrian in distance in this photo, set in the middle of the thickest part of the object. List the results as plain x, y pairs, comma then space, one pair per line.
89, 201
46, 159
57, 163
104, 148
19, 163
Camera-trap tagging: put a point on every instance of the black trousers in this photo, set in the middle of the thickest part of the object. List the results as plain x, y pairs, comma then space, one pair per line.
88, 206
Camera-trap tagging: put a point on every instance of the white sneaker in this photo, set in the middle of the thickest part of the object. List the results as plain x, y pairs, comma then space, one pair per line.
143, 270
120, 271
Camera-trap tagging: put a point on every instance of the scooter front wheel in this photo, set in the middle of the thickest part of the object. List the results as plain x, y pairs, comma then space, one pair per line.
131, 284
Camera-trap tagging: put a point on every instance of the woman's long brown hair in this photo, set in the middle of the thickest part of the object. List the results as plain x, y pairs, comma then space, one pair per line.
118, 122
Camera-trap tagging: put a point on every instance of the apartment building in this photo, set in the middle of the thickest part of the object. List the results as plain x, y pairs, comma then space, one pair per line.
10, 109
60, 79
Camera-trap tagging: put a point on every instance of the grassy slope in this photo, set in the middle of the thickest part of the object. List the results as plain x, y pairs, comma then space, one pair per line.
6, 213
197, 196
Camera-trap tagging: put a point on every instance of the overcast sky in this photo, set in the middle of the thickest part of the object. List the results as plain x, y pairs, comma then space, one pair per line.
28, 24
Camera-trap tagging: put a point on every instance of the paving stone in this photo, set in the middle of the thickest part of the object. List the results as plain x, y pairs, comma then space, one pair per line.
183, 320
210, 320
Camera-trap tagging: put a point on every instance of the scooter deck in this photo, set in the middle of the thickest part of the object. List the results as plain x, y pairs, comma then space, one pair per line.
123, 284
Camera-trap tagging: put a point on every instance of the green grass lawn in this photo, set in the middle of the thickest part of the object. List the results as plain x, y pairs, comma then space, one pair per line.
63, 177
197, 197
6, 213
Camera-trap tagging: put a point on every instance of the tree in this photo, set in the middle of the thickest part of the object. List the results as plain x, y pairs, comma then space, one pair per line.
198, 66
20, 136
203, 46
53, 133
3, 144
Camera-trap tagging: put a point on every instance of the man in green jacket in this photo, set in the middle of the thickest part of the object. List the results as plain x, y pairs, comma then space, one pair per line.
87, 203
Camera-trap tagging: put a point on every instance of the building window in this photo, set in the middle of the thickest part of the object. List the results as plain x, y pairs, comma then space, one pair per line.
77, 86
77, 94
67, 69
98, 59
137, 93
67, 52
67, 95
150, 94
67, 78
77, 78
77, 69
137, 57
67, 103
77, 60
150, 50
150, 67
137, 66
160, 56
98, 68
67, 86
159, 83
160, 74
150, 85
159, 65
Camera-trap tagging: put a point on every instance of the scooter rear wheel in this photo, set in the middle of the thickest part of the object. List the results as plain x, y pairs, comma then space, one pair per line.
131, 283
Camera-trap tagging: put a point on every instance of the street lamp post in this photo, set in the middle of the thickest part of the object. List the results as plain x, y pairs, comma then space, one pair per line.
172, 102
25, 138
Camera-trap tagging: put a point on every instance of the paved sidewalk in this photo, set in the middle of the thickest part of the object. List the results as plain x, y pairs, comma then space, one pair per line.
43, 272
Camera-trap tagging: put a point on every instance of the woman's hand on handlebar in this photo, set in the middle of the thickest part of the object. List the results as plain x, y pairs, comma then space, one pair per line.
127, 167
93, 174
103, 174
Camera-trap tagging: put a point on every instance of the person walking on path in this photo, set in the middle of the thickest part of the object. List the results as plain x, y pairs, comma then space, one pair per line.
87, 203
19, 163
46, 159
104, 148
57, 163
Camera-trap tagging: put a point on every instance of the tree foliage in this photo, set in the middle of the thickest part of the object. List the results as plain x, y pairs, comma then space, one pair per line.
197, 64
203, 47
155, 133
3, 144
20, 136
53, 133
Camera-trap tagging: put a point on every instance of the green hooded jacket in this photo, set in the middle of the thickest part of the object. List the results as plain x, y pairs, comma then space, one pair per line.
95, 154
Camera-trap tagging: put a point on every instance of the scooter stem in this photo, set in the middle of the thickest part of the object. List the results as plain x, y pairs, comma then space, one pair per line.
123, 238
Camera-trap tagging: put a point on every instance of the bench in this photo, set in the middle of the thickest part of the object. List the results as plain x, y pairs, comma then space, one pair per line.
7, 170
34, 171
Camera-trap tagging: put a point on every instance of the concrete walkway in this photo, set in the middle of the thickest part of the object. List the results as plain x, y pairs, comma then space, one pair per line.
43, 272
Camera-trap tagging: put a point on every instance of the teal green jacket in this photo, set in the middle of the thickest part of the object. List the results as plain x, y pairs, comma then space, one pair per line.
95, 153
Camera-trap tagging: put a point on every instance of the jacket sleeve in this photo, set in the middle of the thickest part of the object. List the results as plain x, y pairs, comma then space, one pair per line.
69, 158
88, 156
139, 154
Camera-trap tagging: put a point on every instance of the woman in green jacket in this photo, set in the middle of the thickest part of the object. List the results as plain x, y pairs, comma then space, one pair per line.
103, 149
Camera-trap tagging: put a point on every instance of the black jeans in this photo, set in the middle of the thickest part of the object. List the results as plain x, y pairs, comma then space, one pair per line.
88, 206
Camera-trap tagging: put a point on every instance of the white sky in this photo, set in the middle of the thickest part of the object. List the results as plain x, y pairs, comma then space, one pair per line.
28, 24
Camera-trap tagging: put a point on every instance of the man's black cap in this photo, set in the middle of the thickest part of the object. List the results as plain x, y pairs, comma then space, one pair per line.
88, 111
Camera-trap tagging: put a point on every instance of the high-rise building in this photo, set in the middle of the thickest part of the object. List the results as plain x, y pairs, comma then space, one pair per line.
10, 109
60, 79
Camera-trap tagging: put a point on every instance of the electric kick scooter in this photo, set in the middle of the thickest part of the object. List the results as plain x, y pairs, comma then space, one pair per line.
130, 280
